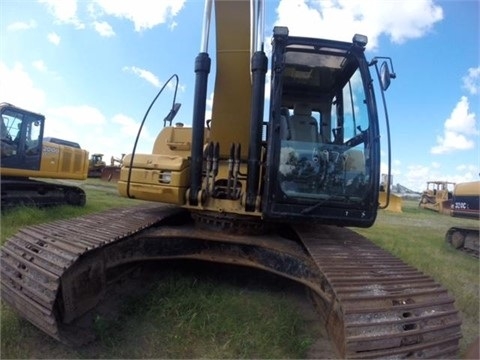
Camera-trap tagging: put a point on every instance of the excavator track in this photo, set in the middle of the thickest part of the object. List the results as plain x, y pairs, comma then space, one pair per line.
36, 264
465, 239
373, 304
386, 308
18, 191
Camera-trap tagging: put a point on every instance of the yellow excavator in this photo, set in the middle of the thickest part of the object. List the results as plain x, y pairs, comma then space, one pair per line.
27, 156
272, 181
465, 204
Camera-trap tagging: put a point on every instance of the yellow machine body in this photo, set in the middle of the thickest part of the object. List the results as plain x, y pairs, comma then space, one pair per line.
26, 154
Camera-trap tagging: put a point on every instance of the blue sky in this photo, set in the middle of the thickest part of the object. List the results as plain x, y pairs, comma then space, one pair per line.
92, 67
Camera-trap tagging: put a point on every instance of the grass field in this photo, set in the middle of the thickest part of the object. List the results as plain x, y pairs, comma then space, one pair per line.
200, 312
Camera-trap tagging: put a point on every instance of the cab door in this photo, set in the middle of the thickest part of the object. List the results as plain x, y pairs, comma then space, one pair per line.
21, 139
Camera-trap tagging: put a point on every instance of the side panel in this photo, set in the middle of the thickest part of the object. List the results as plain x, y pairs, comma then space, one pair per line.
163, 175
63, 162
57, 162
466, 200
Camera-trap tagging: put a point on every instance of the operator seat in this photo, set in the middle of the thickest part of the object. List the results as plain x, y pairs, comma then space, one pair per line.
302, 125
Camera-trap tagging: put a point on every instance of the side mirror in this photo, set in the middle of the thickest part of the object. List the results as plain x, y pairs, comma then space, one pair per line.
172, 114
385, 76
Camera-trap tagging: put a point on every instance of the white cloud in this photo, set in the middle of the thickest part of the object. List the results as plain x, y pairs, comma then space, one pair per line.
144, 74
20, 90
471, 82
128, 126
467, 172
461, 120
416, 176
459, 130
83, 124
40, 65
418, 172
172, 25
53, 38
64, 11
95, 132
81, 114
127, 132
43, 68
341, 19
103, 28
145, 14
22, 25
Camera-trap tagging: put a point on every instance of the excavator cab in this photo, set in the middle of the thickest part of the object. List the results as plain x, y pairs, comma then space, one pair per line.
22, 133
323, 141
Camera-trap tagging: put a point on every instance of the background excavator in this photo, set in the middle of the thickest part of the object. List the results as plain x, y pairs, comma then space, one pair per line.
271, 182
465, 203
26, 155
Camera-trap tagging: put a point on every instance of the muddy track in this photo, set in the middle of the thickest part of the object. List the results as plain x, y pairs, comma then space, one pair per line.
373, 304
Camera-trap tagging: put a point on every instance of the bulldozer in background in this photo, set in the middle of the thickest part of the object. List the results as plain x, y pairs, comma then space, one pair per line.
437, 196
26, 155
96, 165
276, 189
112, 172
395, 202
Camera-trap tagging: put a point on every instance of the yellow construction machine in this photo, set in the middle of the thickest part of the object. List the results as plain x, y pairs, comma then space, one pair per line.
96, 166
26, 155
112, 172
437, 196
465, 203
271, 181
394, 201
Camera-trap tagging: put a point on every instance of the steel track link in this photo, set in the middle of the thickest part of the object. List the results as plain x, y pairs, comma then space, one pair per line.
35, 259
383, 307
